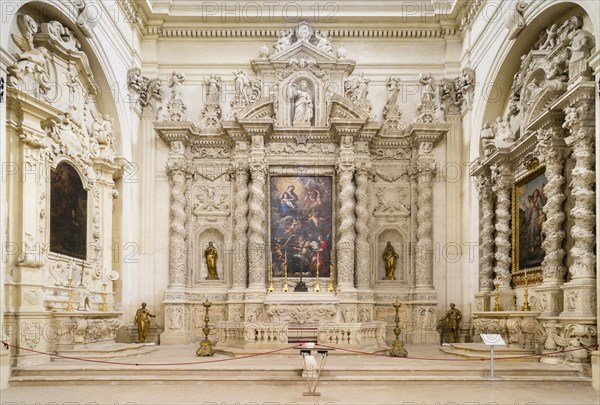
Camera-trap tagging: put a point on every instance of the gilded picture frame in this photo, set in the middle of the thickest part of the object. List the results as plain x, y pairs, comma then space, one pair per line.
528, 200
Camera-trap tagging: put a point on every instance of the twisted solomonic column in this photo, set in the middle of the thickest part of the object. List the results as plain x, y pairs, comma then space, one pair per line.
424, 253
257, 220
502, 187
580, 293
486, 231
552, 152
582, 188
177, 242
362, 227
553, 156
346, 235
240, 227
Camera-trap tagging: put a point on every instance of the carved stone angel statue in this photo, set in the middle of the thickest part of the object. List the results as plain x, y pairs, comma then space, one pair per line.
324, 43
284, 40
428, 83
31, 60
241, 84
175, 81
361, 87
102, 128
213, 89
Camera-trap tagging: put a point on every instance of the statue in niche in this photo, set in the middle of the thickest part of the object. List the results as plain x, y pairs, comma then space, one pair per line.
453, 318
142, 320
390, 258
211, 255
303, 104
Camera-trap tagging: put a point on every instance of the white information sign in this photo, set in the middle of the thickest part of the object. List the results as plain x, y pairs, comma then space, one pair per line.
492, 339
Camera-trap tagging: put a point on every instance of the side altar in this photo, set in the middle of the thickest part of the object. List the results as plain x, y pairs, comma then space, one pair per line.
300, 181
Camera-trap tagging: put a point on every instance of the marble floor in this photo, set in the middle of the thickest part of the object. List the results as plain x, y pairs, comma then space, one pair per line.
432, 382
332, 394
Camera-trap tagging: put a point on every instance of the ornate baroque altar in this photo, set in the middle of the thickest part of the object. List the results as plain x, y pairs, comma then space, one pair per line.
305, 114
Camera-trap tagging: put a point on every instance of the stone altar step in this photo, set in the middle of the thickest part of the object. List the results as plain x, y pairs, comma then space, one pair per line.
286, 369
479, 350
105, 351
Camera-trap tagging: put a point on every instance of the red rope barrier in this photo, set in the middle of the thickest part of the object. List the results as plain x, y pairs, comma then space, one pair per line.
377, 354
7, 345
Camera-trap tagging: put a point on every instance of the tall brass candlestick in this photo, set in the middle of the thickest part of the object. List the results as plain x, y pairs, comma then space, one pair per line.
317, 286
497, 298
271, 289
69, 307
398, 349
330, 288
205, 349
103, 307
285, 283
525, 306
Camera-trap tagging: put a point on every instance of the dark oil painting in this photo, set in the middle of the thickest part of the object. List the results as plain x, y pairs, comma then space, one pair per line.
530, 200
301, 225
68, 212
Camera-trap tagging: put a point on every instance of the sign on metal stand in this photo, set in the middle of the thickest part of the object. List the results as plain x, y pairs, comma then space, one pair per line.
492, 340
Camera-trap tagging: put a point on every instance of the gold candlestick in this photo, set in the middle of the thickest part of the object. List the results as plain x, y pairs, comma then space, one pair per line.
285, 283
317, 286
330, 288
69, 307
497, 298
205, 349
525, 306
398, 349
103, 307
271, 289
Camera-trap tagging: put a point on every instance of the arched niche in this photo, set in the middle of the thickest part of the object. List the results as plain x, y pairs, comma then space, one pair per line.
201, 243
294, 92
398, 240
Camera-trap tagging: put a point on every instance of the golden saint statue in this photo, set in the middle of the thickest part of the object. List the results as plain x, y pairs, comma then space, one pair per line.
210, 255
142, 320
389, 257
453, 318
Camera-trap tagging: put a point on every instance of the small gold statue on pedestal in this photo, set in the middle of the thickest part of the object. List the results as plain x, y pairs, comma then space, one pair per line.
453, 318
390, 257
205, 349
211, 255
398, 349
142, 320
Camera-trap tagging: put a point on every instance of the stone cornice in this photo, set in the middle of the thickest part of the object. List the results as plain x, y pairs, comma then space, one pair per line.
433, 32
